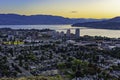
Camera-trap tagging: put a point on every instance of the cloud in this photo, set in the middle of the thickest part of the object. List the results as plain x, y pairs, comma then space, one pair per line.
74, 12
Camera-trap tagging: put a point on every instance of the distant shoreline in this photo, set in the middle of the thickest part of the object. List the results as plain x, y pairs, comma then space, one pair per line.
97, 28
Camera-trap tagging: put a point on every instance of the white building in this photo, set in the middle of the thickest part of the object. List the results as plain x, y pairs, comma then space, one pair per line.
11, 37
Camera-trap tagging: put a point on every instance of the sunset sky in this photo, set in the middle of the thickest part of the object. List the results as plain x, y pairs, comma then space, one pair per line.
65, 8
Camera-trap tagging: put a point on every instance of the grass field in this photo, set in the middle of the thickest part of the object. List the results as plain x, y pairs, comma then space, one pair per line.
58, 77
15, 42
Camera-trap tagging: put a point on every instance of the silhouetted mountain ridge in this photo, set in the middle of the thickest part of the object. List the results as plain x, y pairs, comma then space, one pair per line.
15, 19
116, 19
113, 23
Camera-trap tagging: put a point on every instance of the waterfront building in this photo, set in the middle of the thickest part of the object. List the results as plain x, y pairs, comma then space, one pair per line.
68, 33
62, 34
77, 33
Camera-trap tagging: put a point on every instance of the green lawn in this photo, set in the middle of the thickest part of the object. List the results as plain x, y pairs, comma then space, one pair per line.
15, 42
58, 77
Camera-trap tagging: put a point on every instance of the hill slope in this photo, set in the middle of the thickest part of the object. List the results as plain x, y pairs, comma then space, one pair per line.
113, 23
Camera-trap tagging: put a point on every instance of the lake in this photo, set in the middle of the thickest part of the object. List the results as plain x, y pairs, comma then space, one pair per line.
83, 30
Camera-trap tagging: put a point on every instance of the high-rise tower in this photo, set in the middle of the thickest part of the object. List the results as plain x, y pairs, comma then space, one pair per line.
77, 33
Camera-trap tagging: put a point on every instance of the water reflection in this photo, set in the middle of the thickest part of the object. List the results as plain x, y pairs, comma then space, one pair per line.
83, 30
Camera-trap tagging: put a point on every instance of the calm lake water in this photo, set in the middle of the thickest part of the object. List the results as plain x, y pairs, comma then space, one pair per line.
83, 30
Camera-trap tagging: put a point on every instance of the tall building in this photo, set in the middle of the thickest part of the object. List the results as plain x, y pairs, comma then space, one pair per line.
77, 33
62, 34
68, 33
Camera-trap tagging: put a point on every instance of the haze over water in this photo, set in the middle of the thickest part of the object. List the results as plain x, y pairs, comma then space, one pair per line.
83, 30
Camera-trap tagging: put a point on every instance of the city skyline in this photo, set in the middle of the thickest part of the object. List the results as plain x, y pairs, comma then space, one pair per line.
70, 9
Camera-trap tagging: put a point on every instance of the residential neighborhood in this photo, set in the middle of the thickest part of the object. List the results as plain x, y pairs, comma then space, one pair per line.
32, 52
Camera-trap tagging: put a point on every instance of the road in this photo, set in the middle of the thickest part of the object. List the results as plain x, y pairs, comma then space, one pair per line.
24, 72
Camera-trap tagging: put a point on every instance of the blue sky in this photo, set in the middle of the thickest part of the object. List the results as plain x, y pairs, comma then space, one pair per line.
66, 8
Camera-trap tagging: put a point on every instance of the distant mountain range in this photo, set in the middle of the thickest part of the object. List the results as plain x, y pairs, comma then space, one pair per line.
15, 19
113, 23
